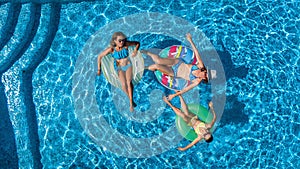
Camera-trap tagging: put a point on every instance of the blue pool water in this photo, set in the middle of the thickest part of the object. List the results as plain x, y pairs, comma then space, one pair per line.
41, 46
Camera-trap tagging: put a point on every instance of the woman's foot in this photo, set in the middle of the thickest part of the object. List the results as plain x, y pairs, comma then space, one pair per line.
131, 108
132, 105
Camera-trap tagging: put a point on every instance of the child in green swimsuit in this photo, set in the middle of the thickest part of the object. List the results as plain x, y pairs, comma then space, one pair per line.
201, 128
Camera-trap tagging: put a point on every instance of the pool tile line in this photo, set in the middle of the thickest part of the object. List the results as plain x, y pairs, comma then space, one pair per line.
34, 142
8, 29
27, 86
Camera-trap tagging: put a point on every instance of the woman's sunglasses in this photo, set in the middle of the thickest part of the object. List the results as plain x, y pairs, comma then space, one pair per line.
122, 40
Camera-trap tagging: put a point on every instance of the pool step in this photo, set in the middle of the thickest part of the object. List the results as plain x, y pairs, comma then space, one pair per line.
22, 37
8, 155
18, 83
24, 32
35, 56
4, 8
8, 28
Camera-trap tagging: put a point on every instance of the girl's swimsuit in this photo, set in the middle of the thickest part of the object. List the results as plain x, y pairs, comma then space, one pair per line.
123, 53
198, 127
191, 76
176, 66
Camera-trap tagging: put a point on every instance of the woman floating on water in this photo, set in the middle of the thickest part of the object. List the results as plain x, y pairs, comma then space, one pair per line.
119, 50
201, 128
178, 68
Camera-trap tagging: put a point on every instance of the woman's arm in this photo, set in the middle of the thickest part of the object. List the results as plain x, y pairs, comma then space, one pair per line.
133, 43
191, 144
100, 56
200, 62
211, 124
194, 83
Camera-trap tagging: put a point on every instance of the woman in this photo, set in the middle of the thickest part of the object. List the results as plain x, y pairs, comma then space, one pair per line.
201, 128
119, 50
178, 68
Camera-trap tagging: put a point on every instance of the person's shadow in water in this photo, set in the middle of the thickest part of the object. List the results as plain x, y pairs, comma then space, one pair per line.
233, 111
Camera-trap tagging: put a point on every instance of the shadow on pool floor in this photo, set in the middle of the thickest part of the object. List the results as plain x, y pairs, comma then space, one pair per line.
233, 112
8, 155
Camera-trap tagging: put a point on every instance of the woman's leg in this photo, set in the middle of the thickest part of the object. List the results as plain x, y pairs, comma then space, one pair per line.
122, 76
128, 76
160, 61
164, 69
177, 110
162, 64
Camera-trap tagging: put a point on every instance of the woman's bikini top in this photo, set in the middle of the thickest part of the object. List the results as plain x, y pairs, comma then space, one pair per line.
123, 53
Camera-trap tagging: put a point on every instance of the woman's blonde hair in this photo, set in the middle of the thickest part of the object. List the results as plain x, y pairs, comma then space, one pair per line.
114, 37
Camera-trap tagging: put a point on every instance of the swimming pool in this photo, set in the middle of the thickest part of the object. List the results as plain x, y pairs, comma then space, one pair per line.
257, 42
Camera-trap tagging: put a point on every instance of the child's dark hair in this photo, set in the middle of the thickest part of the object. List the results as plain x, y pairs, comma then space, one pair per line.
210, 139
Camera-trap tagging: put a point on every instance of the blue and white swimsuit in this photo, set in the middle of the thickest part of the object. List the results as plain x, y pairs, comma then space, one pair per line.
123, 53
176, 66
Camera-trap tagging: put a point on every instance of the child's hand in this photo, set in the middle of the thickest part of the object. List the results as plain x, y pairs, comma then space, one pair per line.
189, 37
180, 148
210, 104
134, 53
